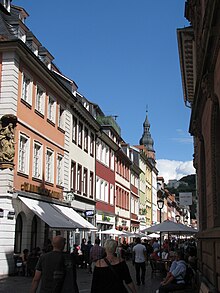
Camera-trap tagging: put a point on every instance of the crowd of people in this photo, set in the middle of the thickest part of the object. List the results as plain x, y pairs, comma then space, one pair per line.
108, 264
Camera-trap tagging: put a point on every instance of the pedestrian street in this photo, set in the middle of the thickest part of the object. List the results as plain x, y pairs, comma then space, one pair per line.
14, 284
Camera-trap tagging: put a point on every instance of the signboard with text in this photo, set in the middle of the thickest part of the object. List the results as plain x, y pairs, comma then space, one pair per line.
185, 198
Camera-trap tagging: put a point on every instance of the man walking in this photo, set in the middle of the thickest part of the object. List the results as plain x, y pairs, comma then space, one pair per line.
55, 269
140, 256
96, 252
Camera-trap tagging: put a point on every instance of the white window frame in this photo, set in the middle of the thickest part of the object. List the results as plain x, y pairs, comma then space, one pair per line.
37, 160
51, 109
24, 153
98, 188
27, 84
102, 189
106, 192
40, 99
49, 166
112, 194
61, 117
112, 160
85, 181
98, 150
107, 156
59, 179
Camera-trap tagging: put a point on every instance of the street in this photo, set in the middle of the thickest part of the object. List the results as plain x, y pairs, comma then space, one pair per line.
22, 284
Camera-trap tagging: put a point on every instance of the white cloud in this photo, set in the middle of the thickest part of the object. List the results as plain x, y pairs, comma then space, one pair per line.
170, 169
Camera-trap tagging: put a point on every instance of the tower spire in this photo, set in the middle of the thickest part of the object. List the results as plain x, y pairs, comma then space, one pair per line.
146, 138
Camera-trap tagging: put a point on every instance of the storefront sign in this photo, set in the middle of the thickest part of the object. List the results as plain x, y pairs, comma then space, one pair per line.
40, 190
89, 213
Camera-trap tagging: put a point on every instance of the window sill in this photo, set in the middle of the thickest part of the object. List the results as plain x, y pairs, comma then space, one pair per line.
36, 179
19, 173
49, 183
26, 103
39, 113
61, 129
50, 122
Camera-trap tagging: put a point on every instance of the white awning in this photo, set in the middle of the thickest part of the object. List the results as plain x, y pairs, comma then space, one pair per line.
74, 216
56, 216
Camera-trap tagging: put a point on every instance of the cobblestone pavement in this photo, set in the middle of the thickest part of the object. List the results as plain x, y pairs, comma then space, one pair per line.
18, 284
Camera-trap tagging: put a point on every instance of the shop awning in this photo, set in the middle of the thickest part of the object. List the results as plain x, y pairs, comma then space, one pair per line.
54, 215
74, 216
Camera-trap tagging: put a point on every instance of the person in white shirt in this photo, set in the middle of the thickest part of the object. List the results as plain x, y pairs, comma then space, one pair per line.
139, 257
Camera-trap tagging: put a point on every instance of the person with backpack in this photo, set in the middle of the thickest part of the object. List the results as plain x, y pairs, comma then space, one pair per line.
175, 279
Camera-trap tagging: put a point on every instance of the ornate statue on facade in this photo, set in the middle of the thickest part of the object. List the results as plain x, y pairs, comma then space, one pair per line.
7, 149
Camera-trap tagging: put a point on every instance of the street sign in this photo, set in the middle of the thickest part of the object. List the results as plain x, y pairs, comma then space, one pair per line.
185, 198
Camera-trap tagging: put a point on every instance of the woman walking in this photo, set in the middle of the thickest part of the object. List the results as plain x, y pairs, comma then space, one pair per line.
111, 272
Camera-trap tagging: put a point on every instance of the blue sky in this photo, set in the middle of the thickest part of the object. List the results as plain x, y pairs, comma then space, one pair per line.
123, 55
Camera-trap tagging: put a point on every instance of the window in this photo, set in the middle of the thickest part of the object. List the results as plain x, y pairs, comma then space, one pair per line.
51, 111
61, 117
74, 131
73, 176
80, 134
40, 100
106, 192
92, 141
85, 181
91, 189
79, 179
59, 170
49, 165
86, 133
37, 160
112, 165
26, 88
111, 194
23, 158
102, 195
107, 156
98, 152
98, 188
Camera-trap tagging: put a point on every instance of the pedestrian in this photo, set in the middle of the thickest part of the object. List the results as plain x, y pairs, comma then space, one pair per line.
175, 277
96, 252
54, 269
87, 255
140, 257
83, 255
110, 273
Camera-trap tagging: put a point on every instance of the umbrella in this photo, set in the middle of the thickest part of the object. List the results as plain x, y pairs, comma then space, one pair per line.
170, 226
154, 235
136, 234
113, 231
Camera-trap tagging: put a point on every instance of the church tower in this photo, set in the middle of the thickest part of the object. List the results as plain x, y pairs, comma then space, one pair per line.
147, 141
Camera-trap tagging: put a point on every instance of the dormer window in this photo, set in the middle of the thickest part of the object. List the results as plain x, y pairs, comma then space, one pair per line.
21, 35
7, 5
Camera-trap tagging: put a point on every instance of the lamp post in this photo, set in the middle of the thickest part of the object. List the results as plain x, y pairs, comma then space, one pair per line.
160, 204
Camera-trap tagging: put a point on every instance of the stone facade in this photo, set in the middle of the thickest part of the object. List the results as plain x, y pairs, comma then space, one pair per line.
199, 51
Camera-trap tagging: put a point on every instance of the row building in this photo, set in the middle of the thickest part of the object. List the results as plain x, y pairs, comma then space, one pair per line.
64, 167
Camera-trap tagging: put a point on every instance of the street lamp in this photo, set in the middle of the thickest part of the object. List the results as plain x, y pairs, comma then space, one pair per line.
177, 218
160, 205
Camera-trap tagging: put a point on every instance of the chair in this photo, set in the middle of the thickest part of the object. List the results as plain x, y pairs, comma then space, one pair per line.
155, 268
